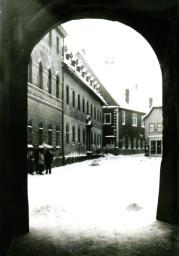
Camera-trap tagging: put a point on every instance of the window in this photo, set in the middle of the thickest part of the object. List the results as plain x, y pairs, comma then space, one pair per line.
97, 114
67, 133
91, 110
50, 38
94, 112
84, 136
50, 135
67, 94
98, 139
107, 118
57, 87
142, 121
139, 144
40, 133
87, 107
123, 142
29, 131
40, 75
73, 99
134, 119
151, 127
73, 134
100, 115
134, 143
78, 102
123, 117
79, 135
129, 143
49, 81
159, 127
83, 105
30, 71
57, 45
57, 135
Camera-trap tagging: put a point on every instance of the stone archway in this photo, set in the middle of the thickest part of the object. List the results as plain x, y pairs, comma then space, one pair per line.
22, 25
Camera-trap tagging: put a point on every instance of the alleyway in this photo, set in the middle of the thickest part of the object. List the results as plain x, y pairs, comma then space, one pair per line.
98, 207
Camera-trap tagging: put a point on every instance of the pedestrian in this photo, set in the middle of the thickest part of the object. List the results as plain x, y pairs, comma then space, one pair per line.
36, 160
41, 162
30, 164
48, 161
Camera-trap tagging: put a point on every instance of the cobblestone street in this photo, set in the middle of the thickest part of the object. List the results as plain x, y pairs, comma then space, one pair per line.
105, 206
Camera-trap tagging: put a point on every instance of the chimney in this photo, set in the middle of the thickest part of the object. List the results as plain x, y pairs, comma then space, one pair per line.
150, 102
127, 95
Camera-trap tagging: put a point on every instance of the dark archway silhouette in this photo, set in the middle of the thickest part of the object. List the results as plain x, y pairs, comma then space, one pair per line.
21, 27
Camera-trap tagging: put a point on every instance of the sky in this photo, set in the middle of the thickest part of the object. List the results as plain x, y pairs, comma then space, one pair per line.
120, 57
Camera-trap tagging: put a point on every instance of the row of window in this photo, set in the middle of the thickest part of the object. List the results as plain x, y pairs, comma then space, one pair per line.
41, 80
136, 143
81, 106
134, 119
41, 133
107, 119
155, 127
96, 139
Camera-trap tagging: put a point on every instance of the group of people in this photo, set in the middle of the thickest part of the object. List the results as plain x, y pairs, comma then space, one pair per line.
40, 162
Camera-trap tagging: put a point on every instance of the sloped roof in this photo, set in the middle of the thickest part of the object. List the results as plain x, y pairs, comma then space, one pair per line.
103, 91
150, 111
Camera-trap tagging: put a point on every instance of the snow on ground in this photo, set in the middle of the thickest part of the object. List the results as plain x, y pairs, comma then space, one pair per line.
96, 207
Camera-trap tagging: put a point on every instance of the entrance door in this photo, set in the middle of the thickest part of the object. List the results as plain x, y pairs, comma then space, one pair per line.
159, 147
153, 147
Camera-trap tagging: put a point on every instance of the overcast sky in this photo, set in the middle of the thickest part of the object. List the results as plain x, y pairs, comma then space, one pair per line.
120, 57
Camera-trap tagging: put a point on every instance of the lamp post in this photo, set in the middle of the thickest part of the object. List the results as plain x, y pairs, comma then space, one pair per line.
88, 136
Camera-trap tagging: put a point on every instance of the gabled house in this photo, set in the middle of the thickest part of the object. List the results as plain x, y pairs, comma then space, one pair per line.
153, 131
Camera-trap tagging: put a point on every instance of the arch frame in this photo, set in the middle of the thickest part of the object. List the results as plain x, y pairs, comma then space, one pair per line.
25, 25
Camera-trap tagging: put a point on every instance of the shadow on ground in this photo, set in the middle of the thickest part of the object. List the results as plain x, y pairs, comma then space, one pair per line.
159, 239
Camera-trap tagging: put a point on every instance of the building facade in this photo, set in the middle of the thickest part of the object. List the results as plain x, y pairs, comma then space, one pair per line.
45, 95
123, 130
81, 99
153, 131
62, 95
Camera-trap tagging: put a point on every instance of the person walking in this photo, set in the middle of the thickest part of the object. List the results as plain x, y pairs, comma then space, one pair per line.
41, 162
30, 164
36, 160
48, 158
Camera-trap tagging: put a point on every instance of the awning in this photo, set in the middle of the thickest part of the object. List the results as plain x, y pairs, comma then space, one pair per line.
41, 146
30, 146
47, 146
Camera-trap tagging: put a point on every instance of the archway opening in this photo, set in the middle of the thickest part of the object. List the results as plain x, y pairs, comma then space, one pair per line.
76, 137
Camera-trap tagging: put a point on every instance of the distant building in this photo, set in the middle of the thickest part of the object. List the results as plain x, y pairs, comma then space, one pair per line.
123, 130
153, 131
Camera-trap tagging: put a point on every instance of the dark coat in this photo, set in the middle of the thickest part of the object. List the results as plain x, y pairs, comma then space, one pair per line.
48, 158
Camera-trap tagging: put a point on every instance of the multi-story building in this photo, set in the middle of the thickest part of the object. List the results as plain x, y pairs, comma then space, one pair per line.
81, 99
153, 131
62, 94
45, 100
123, 130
